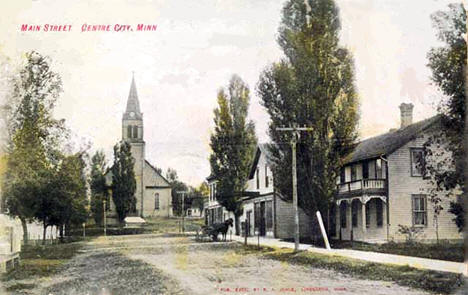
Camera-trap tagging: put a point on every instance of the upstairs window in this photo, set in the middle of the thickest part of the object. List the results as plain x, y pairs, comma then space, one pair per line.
135, 131
342, 175
266, 176
378, 168
365, 170
353, 173
214, 191
258, 178
417, 161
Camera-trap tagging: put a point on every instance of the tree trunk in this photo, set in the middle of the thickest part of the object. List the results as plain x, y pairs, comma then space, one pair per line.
237, 224
25, 231
44, 233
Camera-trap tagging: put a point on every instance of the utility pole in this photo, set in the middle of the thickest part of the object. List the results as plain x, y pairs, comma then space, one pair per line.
183, 209
104, 209
295, 136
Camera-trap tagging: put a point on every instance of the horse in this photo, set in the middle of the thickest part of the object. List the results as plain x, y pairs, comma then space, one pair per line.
216, 228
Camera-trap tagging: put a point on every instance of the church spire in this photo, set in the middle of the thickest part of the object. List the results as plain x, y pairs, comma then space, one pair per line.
133, 105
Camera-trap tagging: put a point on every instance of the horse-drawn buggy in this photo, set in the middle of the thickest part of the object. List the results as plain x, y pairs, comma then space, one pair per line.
212, 231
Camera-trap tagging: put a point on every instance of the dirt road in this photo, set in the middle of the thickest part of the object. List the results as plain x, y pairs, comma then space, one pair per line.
150, 264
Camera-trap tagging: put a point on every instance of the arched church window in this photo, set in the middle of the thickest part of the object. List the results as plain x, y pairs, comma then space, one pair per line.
129, 131
135, 131
156, 201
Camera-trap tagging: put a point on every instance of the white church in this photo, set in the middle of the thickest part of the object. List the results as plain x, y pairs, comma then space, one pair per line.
153, 191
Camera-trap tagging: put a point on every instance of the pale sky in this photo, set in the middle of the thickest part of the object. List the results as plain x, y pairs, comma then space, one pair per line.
197, 46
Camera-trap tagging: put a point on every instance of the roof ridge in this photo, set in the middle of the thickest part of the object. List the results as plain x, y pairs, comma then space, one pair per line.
387, 143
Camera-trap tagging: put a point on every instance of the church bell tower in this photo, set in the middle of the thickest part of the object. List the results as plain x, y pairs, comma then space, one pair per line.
132, 132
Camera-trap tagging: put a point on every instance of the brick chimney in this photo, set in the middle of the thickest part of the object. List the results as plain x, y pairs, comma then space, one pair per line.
406, 110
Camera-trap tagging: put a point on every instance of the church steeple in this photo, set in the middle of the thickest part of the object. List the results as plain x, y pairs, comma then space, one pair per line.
132, 119
133, 105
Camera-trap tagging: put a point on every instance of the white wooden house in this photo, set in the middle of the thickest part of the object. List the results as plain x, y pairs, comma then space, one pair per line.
381, 186
265, 212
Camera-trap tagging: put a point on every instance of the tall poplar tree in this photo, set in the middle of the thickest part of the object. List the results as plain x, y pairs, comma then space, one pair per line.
123, 180
312, 86
233, 145
98, 185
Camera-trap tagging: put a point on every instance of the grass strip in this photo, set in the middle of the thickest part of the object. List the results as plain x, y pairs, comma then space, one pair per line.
428, 280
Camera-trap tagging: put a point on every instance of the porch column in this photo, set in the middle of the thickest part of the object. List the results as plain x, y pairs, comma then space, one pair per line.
363, 216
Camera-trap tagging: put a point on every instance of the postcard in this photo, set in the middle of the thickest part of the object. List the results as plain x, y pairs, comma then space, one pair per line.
233, 147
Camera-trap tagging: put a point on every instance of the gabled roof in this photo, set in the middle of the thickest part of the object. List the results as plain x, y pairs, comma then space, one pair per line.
133, 105
156, 170
261, 149
389, 142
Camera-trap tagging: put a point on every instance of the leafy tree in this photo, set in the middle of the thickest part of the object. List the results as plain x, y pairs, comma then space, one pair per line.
98, 186
63, 201
200, 195
233, 145
177, 186
123, 180
313, 86
446, 167
33, 136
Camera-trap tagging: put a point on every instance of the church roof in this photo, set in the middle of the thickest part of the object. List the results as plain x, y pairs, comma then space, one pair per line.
156, 170
133, 105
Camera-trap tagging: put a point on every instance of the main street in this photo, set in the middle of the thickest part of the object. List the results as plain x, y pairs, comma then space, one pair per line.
174, 264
